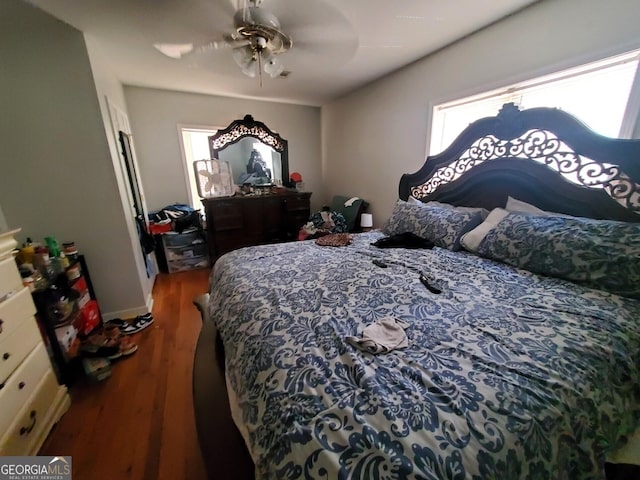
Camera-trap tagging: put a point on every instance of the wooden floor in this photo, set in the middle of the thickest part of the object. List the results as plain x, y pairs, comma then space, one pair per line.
139, 424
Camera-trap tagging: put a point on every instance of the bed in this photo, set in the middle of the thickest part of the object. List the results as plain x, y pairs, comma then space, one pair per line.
521, 358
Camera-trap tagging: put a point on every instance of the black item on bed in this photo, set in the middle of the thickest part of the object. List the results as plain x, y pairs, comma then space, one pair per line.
403, 240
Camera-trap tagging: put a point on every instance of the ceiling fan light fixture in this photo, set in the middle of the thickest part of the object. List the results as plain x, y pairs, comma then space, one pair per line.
243, 56
251, 70
273, 67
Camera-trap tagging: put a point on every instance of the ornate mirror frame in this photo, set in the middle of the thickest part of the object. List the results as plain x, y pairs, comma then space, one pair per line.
249, 127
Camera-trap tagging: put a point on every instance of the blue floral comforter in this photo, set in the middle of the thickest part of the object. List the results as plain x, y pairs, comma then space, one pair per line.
508, 374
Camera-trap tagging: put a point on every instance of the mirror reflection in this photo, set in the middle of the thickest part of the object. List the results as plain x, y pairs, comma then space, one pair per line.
257, 155
253, 162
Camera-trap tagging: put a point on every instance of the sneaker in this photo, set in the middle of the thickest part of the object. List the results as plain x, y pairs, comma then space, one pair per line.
99, 345
115, 321
125, 348
138, 324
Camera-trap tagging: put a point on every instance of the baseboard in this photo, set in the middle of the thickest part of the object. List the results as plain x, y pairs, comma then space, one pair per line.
131, 312
149, 302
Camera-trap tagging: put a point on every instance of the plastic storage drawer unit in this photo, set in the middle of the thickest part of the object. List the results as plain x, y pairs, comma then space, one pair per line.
185, 251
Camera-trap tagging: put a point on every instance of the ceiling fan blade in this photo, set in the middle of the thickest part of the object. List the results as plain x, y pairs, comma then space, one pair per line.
234, 40
174, 50
222, 44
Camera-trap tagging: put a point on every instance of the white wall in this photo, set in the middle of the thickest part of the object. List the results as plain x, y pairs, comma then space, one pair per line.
373, 136
57, 172
155, 115
109, 87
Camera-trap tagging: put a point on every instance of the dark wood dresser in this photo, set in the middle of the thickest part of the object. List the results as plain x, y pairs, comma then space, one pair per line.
242, 221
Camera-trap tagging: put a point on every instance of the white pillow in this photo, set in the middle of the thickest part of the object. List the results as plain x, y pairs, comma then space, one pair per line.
471, 240
515, 205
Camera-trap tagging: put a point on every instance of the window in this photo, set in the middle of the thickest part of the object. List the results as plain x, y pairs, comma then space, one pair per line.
602, 94
195, 146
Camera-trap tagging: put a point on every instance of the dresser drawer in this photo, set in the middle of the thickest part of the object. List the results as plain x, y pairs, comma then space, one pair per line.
35, 416
227, 216
9, 278
21, 384
15, 347
296, 202
14, 311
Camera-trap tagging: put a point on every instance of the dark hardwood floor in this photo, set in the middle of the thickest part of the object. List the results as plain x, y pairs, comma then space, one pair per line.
139, 423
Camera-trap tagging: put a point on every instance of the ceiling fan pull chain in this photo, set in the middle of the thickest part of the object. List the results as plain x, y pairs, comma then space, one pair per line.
260, 65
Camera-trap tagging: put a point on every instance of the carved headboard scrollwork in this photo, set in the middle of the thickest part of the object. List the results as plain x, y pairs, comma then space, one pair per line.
541, 155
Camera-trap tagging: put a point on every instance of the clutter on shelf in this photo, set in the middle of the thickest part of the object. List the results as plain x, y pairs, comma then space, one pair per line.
68, 313
181, 239
341, 217
174, 218
322, 223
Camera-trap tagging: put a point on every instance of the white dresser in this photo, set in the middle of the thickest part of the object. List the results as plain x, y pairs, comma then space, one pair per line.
31, 400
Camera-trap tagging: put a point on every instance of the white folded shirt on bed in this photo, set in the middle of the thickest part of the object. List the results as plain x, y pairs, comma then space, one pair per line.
382, 336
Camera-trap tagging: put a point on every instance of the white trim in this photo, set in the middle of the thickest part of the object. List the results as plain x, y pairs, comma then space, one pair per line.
185, 167
545, 79
120, 121
130, 312
630, 118
519, 91
564, 64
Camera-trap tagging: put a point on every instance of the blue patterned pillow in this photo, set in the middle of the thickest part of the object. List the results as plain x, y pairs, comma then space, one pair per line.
442, 226
601, 254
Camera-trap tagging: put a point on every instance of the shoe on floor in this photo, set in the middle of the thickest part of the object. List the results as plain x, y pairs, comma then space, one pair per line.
125, 348
99, 345
138, 324
116, 321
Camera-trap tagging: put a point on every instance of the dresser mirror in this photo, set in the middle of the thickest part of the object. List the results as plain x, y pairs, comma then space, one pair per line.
256, 154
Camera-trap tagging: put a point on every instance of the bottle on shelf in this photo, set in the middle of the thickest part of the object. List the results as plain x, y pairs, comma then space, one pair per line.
27, 252
56, 261
70, 251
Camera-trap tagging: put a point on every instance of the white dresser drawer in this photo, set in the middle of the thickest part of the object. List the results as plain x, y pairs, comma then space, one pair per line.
34, 420
15, 310
20, 386
9, 277
15, 347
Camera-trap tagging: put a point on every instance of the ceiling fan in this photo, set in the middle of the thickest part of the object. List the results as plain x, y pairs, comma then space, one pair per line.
256, 42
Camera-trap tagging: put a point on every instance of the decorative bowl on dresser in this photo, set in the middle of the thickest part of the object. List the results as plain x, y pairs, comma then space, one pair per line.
31, 400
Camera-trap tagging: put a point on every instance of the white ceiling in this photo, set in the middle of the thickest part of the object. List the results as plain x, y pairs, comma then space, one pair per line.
338, 45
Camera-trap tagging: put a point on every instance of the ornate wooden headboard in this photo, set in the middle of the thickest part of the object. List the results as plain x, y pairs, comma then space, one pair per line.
543, 156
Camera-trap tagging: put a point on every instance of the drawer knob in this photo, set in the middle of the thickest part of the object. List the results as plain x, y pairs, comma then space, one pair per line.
27, 430
21, 385
6, 356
